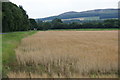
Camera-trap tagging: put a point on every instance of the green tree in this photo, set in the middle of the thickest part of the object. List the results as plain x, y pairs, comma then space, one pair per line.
56, 23
33, 24
56, 20
14, 18
25, 19
46, 26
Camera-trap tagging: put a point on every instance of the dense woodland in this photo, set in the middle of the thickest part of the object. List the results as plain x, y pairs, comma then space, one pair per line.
15, 18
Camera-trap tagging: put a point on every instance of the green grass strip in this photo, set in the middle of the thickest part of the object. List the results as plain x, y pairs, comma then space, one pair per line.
84, 29
10, 41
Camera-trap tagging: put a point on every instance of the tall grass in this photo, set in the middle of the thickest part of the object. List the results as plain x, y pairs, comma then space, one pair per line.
68, 54
10, 41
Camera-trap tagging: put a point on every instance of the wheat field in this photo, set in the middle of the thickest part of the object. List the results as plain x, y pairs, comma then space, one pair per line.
60, 54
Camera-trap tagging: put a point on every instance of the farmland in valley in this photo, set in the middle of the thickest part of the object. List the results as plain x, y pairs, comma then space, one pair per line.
68, 45
67, 54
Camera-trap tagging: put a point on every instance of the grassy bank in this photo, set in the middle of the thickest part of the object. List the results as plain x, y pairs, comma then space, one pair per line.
84, 29
10, 41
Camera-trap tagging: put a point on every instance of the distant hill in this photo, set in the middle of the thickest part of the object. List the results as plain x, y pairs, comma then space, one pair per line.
97, 14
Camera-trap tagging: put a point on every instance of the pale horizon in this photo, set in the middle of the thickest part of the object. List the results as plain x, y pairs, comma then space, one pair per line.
47, 8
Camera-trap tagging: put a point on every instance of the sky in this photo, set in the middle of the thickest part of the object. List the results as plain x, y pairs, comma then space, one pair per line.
46, 8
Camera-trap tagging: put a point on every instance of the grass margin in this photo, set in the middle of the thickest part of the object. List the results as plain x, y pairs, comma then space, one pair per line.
10, 41
99, 29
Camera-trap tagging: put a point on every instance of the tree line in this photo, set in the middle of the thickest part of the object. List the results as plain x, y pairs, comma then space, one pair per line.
14, 18
58, 24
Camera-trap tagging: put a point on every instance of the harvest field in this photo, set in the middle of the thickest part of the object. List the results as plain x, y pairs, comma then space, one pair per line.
73, 54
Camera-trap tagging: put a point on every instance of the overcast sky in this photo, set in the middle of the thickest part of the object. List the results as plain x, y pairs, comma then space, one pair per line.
46, 8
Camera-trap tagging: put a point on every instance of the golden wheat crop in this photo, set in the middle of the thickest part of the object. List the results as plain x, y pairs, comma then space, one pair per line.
68, 53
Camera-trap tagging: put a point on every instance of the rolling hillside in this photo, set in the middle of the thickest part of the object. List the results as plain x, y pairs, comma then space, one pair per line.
97, 14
